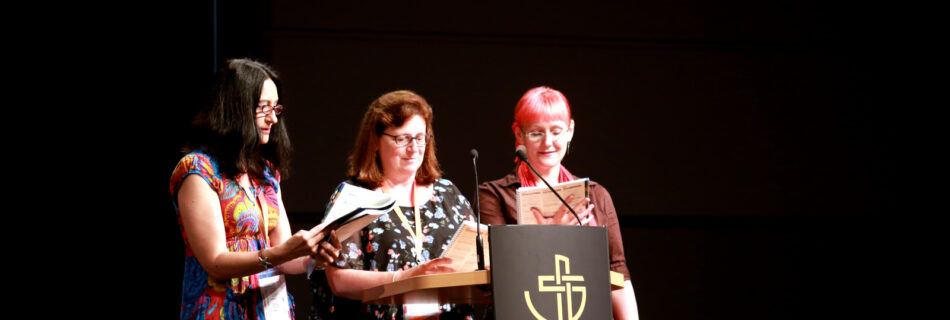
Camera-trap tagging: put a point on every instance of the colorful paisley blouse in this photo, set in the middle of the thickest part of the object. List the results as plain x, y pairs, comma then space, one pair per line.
235, 298
385, 245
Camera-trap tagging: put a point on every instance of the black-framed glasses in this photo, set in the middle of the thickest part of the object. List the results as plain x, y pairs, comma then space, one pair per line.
264, 110
404, 139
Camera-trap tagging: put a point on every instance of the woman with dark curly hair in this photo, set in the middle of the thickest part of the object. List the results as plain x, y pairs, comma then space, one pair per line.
226, 192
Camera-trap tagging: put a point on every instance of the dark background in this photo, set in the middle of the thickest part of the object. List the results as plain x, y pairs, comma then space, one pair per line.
745, 143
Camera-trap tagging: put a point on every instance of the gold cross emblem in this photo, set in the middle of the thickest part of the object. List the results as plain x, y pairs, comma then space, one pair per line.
562, 285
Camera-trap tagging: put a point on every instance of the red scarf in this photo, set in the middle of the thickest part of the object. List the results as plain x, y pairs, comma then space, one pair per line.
527, 180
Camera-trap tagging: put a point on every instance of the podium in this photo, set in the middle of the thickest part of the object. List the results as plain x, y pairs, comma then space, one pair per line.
538, 272
457, 287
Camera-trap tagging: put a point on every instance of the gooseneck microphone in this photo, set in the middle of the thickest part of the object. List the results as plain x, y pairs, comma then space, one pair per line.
478, 217
520, 153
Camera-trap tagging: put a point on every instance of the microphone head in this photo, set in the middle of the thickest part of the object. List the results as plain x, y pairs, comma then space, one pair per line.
521, 153
474, 154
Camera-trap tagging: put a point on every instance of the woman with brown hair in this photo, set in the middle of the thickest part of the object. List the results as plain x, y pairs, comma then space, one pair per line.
395, 154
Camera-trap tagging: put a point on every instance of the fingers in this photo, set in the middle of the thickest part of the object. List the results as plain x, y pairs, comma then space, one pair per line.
325, 254
445, 265
538, 217
319, 235
314, 229
325, 257
439, 265
329, 249
313, 242
439, 261
569, 219
583, 209
562, 210
325, 251
335, 240
582, 205
569, 198
586, 219
589, 214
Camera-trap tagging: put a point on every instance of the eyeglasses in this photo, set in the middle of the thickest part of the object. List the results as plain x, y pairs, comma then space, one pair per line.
535, 136
403, 140
264, 110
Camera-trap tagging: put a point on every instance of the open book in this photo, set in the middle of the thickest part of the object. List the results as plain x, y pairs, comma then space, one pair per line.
352, 208
462, 247
542, 198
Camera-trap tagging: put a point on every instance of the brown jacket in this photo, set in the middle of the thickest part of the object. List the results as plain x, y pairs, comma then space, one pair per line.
497, 205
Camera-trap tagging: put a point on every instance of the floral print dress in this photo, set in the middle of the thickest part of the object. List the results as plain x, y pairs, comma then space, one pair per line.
385, 245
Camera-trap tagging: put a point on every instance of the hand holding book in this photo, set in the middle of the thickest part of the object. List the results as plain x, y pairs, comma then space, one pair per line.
352, 208
532, 202
327, 251
584, 209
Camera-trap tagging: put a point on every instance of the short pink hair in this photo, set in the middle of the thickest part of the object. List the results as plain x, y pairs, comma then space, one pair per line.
541, 104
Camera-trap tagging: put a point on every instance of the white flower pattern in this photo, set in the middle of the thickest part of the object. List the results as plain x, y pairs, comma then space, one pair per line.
441, 216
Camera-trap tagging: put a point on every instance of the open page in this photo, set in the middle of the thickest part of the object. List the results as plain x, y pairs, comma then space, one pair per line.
352, 208
542, 198
462, 248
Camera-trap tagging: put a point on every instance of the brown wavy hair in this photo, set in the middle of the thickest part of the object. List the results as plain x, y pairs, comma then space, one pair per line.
391, 110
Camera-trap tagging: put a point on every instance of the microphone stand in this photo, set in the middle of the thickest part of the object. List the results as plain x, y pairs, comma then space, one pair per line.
479, 251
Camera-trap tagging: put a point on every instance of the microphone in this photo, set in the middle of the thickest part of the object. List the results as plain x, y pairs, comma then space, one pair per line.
520, 153
479, 252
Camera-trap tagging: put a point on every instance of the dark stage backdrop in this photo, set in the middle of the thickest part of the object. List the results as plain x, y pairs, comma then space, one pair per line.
741, 141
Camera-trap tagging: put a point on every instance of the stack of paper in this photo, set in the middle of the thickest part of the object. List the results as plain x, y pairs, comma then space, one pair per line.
462, 248
352, 208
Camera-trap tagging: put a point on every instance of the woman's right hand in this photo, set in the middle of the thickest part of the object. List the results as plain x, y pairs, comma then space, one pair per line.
564, 217
434, 266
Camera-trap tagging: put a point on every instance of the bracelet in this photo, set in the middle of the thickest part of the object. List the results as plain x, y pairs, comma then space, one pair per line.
394, 275
262, 261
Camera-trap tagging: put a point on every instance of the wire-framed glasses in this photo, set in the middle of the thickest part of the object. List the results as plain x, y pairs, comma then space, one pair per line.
264, 110
535, 136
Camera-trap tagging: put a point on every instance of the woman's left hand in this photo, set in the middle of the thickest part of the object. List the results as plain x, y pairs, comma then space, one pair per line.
437, 265
328, 251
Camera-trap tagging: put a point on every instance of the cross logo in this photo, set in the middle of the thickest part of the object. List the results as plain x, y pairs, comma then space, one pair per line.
563, 286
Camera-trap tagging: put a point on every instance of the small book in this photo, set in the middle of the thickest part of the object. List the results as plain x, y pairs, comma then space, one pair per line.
462, 247
352, 208
542, 198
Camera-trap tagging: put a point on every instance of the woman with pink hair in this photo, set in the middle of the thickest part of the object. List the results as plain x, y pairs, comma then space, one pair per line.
543, 125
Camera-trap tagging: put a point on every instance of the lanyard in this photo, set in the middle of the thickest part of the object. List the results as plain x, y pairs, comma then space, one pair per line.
417, 235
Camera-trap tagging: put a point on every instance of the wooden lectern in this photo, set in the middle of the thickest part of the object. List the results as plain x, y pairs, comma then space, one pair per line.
475, 287
457, 287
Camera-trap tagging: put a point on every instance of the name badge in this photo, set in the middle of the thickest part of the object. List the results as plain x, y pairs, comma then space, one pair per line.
274, 290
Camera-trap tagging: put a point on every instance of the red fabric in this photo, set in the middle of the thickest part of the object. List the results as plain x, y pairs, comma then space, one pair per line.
527, 179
